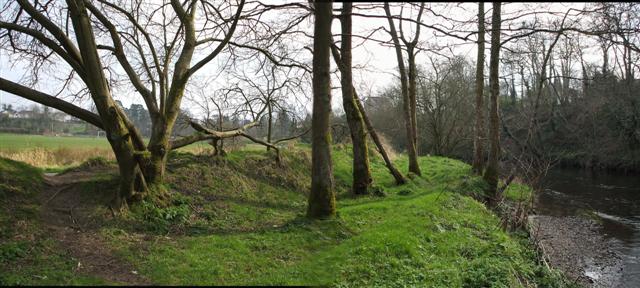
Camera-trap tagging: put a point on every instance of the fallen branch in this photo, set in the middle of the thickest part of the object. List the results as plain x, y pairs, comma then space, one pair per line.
204, 133
270, 145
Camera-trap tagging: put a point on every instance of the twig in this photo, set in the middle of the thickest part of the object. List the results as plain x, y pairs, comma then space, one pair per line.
56, 193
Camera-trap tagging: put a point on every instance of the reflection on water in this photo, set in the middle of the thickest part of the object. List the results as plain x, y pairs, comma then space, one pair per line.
615, 198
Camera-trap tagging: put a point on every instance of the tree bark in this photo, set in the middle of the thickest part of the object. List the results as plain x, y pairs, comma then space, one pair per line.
158, 147
411, 60
361, 172
322, 198
406, 99
478, 140
118, 135
492, 172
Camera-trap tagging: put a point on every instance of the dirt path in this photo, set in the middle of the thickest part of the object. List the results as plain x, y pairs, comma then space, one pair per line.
72, 216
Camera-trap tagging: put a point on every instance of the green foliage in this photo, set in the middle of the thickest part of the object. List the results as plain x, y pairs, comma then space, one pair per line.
518, 192
161, 219
13, 250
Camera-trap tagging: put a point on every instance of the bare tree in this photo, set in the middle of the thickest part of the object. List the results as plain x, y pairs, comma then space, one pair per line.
478, 140
159, 68
492, 171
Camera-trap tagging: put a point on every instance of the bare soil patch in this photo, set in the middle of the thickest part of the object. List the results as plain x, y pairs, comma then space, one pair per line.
72, 216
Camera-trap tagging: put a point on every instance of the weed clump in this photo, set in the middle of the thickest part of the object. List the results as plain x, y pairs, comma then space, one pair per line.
163, 216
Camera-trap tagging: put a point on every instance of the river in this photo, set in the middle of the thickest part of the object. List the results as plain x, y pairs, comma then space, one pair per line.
614, 198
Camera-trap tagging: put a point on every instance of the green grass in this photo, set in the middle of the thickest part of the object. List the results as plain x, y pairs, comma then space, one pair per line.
239, 220
247, 227
18, 142
24, 141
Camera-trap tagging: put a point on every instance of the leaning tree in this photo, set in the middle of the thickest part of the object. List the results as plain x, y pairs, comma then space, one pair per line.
157, 48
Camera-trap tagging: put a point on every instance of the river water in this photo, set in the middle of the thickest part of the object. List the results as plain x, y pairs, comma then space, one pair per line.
613, 197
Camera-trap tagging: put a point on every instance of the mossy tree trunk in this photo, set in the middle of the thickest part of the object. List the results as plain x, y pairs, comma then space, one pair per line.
478, 140
361, 172
322, 198
376, 140
118, 134
492, 171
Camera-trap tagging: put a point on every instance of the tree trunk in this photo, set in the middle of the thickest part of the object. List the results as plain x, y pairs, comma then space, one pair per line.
406, 99
118, 135
158, 148
361, 171
322, 198
270, 118
412, 100
220, 143
492, 172
478, 140
392, 169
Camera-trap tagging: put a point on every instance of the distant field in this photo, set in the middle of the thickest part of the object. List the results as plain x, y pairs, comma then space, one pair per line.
24, 141
55, 152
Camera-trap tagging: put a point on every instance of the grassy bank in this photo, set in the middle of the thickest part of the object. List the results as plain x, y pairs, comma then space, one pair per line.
28, 254
240, 220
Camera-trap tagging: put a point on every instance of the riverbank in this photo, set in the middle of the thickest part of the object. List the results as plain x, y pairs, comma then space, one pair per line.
573, 245
240, 220
629, 165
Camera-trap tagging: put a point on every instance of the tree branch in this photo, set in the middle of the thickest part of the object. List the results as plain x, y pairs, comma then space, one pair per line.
50, 101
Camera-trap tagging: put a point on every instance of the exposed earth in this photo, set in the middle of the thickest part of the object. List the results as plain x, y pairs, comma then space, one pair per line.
573, 245
70, 218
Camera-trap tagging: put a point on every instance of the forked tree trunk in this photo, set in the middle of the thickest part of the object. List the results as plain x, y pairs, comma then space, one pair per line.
478, 140
322, 198
361, 172
118, 135
492, 172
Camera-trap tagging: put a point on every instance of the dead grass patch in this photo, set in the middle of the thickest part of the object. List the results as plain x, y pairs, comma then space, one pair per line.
58, 157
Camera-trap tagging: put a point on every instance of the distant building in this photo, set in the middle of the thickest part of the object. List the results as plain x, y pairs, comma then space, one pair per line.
26, 114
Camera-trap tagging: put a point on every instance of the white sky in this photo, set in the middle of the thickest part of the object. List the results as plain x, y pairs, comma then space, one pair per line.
379, 63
